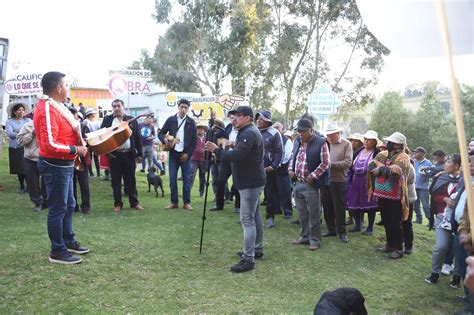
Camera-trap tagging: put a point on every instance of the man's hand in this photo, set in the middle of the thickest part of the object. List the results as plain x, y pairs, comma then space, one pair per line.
165, 140
469, 280
81, 150
292, 174
269, 169
210, 146
465, 241
449, 202
184, 157
310, 180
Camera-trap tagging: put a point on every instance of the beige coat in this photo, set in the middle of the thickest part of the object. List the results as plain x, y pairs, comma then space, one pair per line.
27, 138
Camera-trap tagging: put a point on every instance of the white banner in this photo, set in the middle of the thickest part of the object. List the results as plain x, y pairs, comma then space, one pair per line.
24, 84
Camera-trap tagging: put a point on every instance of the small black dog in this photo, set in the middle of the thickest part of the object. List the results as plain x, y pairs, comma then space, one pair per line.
154, 180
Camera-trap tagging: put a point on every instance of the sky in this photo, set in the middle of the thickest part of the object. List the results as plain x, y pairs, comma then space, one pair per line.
87, 38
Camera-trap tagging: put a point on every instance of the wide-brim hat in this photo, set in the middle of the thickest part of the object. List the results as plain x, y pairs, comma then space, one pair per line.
372, 135
356, 136
332, 128
265, 114
90, 111
11, 105
200, 124
397, 138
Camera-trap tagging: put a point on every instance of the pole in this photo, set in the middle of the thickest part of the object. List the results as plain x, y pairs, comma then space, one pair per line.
208, 160
457, 114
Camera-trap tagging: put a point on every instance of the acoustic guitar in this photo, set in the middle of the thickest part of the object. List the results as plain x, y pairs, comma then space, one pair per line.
172, 141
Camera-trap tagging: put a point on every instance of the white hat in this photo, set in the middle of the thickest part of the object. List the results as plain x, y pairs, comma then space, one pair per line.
288, 133
90, 111
371, 134
11, 105
397, 138
356, 136
332, 128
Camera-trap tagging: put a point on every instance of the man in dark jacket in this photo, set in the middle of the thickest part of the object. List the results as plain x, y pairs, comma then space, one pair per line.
249, 177
309, 168
273, 156
183, 127
123, 159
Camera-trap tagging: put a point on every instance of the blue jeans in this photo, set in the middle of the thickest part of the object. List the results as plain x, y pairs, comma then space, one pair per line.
251, 219
61, 204
423, 198
175, 163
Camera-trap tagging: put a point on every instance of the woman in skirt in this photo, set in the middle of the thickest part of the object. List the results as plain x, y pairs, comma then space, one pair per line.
15, 150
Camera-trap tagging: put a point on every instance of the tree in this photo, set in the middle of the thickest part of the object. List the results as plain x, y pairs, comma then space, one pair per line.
467, 104
390, 116
305, 32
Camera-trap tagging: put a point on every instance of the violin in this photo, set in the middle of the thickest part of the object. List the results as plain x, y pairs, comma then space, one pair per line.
109, 139
172, 141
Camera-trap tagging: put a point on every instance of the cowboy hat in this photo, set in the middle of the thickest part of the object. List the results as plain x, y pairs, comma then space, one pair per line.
332, 128
356, 136
11, 105
372, 135
90, 111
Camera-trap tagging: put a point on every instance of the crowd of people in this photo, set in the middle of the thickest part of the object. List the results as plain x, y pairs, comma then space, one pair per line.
321, 176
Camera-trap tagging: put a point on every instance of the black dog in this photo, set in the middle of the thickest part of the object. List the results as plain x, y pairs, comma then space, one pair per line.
154, 180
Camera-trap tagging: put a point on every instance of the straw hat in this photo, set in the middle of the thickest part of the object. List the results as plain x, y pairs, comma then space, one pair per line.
11, 105
202, 125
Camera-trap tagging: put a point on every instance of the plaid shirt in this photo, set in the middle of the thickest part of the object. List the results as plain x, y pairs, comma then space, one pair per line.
301, 167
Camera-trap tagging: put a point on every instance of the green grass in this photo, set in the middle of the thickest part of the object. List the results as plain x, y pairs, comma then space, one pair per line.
149, 262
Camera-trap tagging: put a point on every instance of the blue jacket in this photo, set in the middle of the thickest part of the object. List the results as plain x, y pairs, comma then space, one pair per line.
273, 145
422, 181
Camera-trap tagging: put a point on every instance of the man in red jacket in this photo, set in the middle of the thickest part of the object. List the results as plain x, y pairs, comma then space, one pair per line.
59, 140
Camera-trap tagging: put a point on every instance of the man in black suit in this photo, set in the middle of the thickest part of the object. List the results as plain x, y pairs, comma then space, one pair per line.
123, 159
183, 127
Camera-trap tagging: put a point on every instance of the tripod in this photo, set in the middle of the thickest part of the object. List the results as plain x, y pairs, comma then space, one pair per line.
208, 160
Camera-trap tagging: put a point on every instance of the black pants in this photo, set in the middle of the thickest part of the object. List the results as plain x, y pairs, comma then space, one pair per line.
271, 191
122, 164
333, 197
391, 212
94, 157
224, 172
408, 228
36, 191
83, 178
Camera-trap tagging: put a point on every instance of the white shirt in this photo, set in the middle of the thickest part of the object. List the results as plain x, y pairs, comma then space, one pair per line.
127, 145
179, 147
288, 151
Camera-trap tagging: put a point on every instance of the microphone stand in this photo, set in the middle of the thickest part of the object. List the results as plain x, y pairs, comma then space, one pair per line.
208, 161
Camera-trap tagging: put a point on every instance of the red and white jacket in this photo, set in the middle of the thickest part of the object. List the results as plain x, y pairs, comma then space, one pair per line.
56, 130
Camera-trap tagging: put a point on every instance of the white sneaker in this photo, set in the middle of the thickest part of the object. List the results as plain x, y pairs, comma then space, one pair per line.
270, 223
446, 270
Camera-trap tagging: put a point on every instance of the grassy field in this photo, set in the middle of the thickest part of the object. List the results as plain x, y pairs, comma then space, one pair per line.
149, 262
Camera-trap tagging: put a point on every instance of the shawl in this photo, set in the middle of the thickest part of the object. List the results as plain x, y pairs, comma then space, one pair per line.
398, 164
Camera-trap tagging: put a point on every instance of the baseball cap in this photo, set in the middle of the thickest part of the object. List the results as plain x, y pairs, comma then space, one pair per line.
264, 114
304, 124
245, 110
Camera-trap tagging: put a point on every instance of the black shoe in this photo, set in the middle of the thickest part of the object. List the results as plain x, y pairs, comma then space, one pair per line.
77, 249
162, 173
287, 216
384, 249
327, 234
67, 259
455, 282
408, 250
243, 266
216, 208
343, 238
142, 171
86, 210
379, 223
433, 278
295, 222
355, 229
257, 255
368, 233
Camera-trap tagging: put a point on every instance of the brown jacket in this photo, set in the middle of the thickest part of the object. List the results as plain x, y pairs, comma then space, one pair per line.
27, 138
341, 160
